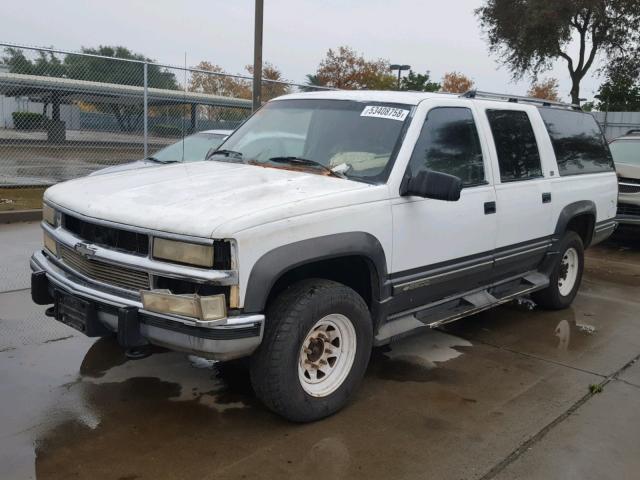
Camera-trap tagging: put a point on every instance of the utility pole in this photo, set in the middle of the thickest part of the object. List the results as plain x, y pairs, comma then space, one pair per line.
400, 68
257, 56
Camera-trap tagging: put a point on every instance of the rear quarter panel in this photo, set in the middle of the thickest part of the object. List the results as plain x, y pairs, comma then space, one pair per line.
600, 188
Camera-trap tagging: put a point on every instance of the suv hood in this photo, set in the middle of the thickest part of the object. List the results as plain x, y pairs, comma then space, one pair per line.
627, 170
198, 198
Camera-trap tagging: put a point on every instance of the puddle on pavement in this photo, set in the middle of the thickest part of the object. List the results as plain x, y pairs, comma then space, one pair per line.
196, 379
553, 332
67, 391
415, 358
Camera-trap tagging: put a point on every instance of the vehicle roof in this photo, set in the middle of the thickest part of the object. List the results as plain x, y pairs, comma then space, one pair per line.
387, 96
217, 132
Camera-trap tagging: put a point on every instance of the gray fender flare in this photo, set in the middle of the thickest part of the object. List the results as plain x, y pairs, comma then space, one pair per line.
275, 263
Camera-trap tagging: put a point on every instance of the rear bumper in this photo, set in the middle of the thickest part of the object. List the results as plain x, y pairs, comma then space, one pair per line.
239, 336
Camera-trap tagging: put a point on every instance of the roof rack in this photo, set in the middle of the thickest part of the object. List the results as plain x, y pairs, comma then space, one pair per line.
517, 99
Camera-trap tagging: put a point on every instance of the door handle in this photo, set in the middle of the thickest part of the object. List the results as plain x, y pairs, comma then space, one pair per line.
489, 208
546, 197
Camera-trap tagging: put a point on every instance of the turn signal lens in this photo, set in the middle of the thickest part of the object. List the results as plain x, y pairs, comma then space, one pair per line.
209, 308
50, 244
49, 214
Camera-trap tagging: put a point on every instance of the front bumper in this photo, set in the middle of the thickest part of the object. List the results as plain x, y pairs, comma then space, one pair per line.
631, 220
238, 337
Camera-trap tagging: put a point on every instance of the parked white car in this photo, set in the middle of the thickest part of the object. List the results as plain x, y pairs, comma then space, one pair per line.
626, 156
398, 211
193, 148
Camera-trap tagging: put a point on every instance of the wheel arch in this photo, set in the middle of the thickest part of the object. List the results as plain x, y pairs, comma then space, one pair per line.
579, 217
317, 255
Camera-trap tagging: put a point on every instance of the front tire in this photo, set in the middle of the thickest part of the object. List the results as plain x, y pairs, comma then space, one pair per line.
566, 275
315, 350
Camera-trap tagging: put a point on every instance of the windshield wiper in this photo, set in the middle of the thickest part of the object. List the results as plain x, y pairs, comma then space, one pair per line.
306, 162
157, 160
226, 153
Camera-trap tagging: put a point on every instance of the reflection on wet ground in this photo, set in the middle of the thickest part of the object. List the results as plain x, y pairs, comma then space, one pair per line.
443, 404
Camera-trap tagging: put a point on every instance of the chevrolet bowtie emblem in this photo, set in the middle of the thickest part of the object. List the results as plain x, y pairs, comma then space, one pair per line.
85, 249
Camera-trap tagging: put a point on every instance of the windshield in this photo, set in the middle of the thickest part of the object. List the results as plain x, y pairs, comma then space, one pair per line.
356, 139
190, 149
626, 151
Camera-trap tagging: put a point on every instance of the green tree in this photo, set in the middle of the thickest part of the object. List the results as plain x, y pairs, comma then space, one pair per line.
621, 88
588, 106
104, 70
418, 82
530, 35
46, 64
313, 81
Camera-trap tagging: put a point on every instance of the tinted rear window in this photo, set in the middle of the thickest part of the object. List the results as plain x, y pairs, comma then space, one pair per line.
577, 142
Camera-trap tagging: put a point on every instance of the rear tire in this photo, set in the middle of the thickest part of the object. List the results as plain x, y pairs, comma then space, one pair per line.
566, 275
315, 350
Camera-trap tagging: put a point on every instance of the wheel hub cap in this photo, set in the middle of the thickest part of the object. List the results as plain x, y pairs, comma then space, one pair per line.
568, 271
327, 355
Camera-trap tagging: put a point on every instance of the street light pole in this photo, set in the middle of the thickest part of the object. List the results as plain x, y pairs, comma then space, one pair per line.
400, 68
257, 56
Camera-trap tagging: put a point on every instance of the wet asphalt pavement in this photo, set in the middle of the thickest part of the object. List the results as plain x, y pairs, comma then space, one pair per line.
504, 394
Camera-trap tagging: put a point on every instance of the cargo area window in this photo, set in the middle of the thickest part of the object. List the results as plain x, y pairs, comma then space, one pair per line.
518, 155
577, 142
449, 143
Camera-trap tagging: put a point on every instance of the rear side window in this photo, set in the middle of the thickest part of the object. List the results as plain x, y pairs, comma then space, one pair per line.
518, 154
449, 143
577, 142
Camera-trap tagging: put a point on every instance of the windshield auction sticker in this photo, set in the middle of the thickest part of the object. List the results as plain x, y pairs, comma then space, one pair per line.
378, 111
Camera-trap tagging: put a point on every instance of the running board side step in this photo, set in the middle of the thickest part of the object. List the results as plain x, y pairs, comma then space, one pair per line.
453, 308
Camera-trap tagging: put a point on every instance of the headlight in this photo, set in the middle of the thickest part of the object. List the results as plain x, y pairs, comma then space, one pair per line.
183, 252
208, 308
49, 214
50, 244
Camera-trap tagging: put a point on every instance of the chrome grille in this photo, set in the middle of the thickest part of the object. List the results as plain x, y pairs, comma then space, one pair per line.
627, 209
104, 272
628, 188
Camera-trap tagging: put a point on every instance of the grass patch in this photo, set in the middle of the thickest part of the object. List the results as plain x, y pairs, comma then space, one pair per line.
595, 388
20, 198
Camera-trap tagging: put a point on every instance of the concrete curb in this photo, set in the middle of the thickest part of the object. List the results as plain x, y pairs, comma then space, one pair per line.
15, 216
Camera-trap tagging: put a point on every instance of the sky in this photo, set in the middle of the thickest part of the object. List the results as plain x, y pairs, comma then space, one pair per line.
428, 35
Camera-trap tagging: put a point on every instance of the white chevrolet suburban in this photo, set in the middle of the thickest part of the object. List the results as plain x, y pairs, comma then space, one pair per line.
329, 223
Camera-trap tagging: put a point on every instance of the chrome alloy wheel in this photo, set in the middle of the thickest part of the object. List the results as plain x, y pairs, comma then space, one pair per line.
327, 355
568, 271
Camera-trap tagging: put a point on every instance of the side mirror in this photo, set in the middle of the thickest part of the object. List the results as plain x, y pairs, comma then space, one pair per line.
430, 184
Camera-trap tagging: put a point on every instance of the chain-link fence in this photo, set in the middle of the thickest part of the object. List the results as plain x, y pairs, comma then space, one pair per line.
616, 124
65, 114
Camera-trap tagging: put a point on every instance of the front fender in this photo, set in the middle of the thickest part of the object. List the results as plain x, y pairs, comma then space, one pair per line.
275, 263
